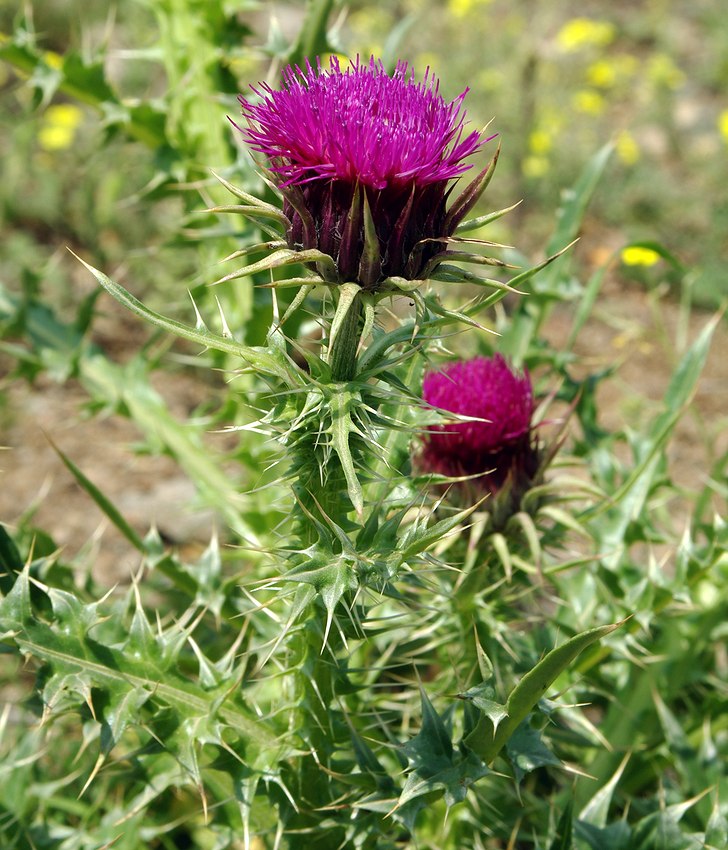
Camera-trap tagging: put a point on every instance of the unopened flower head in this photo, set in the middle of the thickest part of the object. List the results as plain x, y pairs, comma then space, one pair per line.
495, 443
354, 145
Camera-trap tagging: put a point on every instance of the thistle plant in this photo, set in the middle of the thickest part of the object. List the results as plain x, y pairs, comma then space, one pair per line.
364, 162
379, 596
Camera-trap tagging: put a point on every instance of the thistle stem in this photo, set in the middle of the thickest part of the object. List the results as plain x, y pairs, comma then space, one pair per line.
345, 335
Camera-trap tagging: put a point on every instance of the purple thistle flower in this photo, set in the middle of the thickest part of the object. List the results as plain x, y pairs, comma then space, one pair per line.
497, 444
364, 160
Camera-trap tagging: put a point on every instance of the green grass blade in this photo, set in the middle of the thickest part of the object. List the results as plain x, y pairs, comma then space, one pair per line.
105, 504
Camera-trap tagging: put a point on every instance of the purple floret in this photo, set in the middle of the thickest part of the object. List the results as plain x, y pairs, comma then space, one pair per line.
486, 389
360, 124
364, 161
498, 440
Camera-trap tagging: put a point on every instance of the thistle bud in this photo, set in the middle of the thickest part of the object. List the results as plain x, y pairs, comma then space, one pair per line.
490, 437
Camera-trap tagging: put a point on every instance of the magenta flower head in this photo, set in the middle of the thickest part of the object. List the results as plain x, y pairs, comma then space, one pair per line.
496, 442
364, 160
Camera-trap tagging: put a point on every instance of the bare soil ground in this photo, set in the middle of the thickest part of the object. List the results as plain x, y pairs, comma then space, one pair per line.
147, 489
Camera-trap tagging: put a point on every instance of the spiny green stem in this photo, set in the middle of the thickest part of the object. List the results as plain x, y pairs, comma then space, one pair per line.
320, 685
319, 499
342, 355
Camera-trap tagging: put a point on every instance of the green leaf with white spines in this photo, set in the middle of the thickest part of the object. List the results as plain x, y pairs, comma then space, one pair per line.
71, 644
486, 741
279, 259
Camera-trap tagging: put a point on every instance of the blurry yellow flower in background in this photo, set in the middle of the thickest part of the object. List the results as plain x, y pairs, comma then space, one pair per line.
662, 71
53, 59
60, 123
540, 142
462, 8
535, 166
601, 74
612, 71
590, 102
636, 255
723, 125
343, 59
627, 148
585, 32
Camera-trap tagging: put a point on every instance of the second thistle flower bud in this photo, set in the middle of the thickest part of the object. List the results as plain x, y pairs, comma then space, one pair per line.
492, 441
364, 160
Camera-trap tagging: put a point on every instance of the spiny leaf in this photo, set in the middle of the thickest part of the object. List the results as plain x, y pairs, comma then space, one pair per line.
278, 259
661, 829
271, 245
260, 358
10, 560
483, 220
417, 540
529, 691
716, 830
596, 810
435, 766
467, 199
245, 196
250, 210
15, 607
481, 696
341, 429
563, 839
527, 751
110, 668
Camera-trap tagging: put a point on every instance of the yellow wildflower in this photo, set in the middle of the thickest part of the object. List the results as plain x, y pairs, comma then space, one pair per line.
540, 142
585, 32
53, 59
636, 255
60, 123
535, 166
601, 74
723, 125
462, 8
344, 60
586, 100
627, 148
426, 59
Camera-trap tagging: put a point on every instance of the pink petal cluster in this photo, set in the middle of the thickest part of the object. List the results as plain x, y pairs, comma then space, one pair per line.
497, 439
360, 125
